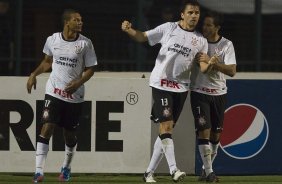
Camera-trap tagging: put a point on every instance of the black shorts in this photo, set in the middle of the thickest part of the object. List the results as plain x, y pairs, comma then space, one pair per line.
208, 111
167, 105
64, 114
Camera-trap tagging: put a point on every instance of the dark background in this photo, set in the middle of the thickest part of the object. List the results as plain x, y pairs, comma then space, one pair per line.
25, 25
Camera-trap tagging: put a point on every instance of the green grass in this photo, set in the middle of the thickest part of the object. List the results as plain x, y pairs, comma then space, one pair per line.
132, 179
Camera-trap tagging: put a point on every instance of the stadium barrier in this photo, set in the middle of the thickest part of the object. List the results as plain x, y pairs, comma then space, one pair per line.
116, 135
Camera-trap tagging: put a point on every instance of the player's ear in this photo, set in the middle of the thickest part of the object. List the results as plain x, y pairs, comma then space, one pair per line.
182, 15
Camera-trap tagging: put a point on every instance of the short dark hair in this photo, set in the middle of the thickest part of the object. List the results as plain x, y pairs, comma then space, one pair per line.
67, 14
217, 17
188, 2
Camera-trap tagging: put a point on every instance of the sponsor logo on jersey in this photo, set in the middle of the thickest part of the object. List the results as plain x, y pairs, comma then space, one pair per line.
65, 61
207, 90
72, 60
170, 84
245, 131
62, 93
180, 49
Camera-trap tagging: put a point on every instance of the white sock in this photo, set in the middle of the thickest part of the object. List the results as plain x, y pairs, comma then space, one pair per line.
41, 155
214, 148
168, 149
69, 153
156, 157
205, 153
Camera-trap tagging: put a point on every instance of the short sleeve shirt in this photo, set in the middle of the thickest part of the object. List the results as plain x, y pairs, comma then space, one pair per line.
69, 61
214, 82
176, 55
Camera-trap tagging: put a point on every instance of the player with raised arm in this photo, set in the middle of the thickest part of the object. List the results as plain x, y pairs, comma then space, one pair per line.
170, 78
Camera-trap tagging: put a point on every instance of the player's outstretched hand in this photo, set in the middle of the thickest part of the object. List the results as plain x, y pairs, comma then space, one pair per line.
125, 26
31, 82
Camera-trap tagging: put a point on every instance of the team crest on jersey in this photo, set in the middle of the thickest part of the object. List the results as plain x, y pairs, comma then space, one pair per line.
202, 120
78, 49
167, 112
45, 114
194, 41
218, 51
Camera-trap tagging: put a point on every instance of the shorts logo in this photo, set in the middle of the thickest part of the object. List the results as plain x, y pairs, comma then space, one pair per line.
245, 131
167, 112
45, 114
202, 120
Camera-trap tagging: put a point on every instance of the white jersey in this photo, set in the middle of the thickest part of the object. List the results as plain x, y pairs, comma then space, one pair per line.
214, 83
175, 58
69, 60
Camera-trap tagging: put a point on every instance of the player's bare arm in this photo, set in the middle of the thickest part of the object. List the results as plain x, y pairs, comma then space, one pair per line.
229, 70
75, 84
133, 33
44, 66
206, 63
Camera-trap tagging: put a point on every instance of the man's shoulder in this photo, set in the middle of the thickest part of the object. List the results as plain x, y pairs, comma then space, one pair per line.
198, 34
225, 39
168, 25
199, 37
84, 38
54, 36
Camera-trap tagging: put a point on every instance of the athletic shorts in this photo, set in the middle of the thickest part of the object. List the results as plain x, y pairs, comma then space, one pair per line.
64, 114
167, 105
208, 111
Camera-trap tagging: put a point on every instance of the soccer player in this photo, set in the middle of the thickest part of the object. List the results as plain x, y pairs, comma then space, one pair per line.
72, 59
208, 93
170, 78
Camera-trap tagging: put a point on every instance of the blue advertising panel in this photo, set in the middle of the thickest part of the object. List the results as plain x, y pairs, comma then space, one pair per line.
251, 142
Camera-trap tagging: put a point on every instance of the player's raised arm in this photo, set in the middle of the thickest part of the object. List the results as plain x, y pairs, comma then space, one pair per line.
136, 35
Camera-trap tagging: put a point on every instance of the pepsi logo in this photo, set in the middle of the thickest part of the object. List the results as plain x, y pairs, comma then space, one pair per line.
245, 131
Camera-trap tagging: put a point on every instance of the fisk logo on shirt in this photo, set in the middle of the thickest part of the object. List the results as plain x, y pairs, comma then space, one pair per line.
63, 93
170, 84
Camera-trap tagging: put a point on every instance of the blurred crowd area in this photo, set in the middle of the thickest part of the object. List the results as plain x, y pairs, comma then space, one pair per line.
25, 25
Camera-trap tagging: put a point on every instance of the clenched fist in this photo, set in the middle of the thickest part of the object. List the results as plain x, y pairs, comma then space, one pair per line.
125, 26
